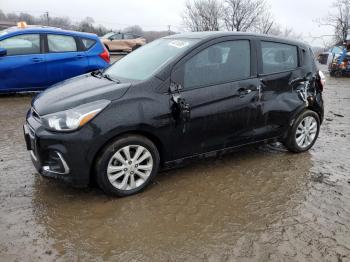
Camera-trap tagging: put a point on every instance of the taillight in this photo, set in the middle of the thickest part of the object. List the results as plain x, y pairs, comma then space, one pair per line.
322, 80
105, 55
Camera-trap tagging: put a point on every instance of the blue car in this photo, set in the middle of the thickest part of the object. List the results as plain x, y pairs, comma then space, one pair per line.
34, 58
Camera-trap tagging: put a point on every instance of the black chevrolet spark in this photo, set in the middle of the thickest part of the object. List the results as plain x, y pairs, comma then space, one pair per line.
176, 98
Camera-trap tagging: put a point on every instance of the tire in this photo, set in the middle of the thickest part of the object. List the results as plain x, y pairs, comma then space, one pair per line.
294, 141
117, 176
338, 73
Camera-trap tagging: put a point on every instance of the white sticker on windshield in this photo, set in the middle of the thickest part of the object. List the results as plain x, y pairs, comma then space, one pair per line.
178, 44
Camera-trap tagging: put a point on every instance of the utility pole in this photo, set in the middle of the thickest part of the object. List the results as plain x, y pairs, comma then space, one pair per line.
169, 29
47, 18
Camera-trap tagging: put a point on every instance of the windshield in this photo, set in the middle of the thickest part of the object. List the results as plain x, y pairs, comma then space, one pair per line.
108, 35
145, 61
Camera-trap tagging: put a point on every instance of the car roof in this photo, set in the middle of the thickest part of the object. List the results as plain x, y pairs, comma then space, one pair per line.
208, 35
47, 29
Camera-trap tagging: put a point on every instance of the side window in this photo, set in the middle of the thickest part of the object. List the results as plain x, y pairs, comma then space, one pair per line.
117, 37
88, 43
277, 57
129, 36
22, 44
219, 63
61, 43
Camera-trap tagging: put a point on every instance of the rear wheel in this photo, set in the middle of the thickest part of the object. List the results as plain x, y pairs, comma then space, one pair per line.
127, 165
304, 132
338, 73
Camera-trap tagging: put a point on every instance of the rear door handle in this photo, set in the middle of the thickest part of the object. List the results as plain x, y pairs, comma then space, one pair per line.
37, 59
80, 56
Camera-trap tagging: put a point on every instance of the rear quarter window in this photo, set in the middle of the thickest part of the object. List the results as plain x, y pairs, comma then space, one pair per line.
88, 43
278, 57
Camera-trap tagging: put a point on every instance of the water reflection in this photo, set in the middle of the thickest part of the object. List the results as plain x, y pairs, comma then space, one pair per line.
188, 213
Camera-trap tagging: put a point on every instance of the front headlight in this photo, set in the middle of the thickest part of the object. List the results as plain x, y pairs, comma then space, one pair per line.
74, 118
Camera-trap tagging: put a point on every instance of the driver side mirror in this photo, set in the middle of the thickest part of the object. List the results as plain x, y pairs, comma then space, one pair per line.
3, 52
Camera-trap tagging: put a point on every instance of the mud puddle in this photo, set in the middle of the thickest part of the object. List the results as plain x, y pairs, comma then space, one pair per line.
259, 204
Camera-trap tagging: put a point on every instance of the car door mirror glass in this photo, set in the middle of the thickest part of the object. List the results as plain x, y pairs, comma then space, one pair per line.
3, 52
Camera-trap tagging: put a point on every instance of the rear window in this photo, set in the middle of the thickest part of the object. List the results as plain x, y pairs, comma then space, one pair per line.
278, 57
61, 43
128, 36
88, 43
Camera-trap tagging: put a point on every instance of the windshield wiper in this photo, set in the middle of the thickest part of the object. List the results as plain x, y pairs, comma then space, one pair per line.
107, 76
97, 73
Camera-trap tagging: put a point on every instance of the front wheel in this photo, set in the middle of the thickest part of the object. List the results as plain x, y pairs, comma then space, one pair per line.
127, 165
304, 132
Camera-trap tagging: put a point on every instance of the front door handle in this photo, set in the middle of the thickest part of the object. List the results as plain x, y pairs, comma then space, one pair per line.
263, 83
244, 91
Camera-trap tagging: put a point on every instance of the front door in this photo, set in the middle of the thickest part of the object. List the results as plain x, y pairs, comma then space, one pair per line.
221, 92
24, 67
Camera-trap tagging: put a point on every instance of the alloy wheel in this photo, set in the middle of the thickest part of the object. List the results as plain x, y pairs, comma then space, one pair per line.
306, 132
130, 167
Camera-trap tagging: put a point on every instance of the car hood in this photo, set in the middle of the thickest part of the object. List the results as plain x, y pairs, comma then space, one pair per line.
77, 91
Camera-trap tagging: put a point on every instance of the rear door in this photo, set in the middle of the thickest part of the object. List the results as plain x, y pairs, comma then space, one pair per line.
220, 86
65, 57
24, 67
278, 65
130, 41
116, 42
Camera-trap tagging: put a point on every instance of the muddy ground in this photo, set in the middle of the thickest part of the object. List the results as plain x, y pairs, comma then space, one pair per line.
259, 204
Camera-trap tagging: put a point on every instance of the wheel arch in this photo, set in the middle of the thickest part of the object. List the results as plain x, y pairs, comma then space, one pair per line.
298, 112
147, 134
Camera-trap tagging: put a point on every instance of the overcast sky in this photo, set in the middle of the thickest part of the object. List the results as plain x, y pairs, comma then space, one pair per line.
157, 14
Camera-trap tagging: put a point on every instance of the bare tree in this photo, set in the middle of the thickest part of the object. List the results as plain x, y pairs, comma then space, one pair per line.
265, 23
286, 32
339, 20
245, 15
2, 15
202, 15
134, 29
